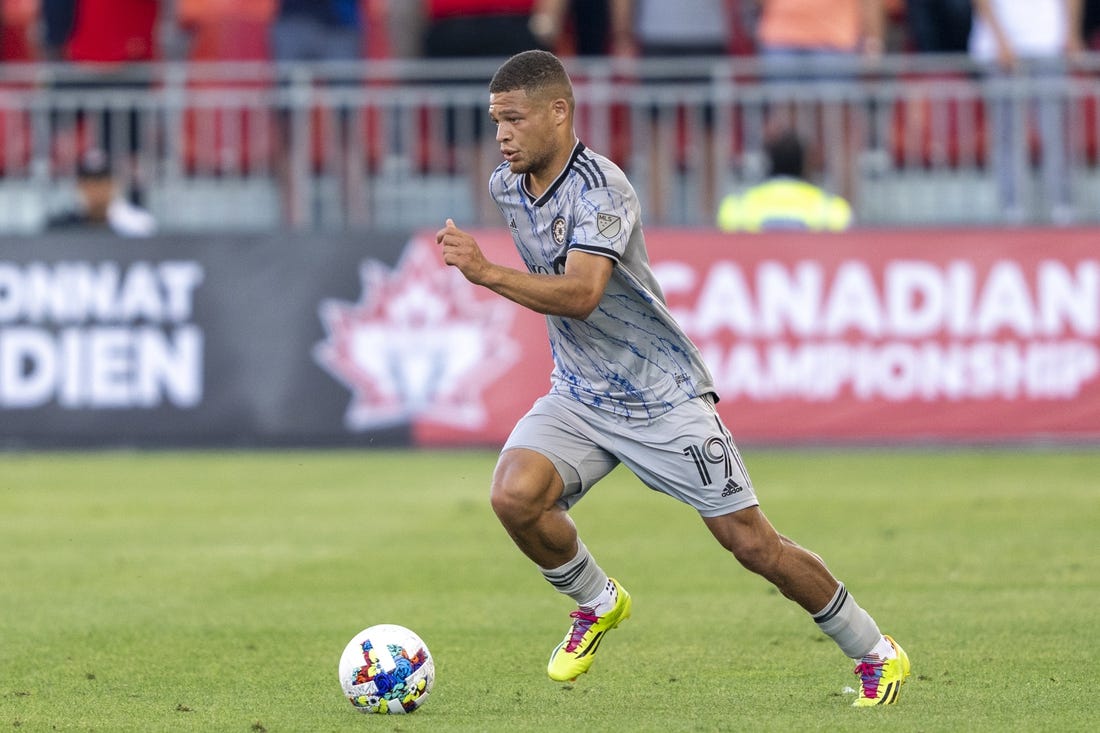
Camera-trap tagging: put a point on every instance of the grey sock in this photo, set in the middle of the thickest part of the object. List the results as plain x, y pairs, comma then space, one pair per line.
581, 578
852, 628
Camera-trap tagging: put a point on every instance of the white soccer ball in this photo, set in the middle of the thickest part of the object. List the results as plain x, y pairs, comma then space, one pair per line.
386, 669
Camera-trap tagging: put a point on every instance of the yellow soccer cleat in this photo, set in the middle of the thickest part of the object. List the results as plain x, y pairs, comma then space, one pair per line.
574, 655
881, 681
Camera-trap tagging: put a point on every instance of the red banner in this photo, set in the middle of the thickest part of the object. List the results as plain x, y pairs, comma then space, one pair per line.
939, 336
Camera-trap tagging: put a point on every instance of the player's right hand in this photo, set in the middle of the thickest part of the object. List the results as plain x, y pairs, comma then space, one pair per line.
462, 251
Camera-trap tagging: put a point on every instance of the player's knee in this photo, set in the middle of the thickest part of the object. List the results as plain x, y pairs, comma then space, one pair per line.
510, 504
753, 541
522, 490
757, 553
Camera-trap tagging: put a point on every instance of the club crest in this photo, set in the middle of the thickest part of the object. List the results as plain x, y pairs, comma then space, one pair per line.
557, 230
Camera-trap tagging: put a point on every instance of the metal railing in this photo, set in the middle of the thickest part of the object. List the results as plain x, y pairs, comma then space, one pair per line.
910, 140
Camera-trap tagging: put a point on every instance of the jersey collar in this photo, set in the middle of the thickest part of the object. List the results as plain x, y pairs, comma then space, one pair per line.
549, 192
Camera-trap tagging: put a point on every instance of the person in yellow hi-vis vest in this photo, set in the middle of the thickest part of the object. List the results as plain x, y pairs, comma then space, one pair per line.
785, 200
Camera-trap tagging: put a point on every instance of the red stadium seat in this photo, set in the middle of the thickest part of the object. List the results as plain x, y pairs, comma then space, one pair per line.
934, 130
1088, 113
15, 141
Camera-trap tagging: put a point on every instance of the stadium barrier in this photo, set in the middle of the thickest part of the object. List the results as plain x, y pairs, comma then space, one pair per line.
253, 146
968, 336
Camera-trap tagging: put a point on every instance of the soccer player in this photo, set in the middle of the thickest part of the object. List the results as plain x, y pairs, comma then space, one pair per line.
628, 386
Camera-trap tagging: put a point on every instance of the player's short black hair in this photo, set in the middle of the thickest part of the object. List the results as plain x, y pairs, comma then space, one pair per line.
786, 156
538, 73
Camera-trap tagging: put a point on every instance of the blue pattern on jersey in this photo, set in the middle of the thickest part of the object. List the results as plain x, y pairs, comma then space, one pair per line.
629, 356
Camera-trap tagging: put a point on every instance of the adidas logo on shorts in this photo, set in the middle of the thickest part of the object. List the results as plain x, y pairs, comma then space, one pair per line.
731, 488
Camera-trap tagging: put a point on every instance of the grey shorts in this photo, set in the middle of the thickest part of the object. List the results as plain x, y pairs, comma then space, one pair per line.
686, 453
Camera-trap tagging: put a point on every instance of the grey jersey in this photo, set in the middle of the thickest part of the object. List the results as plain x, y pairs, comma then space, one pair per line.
629, 356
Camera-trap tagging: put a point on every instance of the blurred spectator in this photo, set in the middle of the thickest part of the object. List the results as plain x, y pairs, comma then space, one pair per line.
1090, 25
317, 30
684, 28
405, 28
810, 36
807, 40
99, 203
488, 29
17, 18
576, 27
1029, 45
104, 38
100, 31
786, 199
938, 26
226, 30
220, 129
478, 28
665, 30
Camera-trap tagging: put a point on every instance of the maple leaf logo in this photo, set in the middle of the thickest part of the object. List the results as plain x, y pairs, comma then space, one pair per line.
419, 345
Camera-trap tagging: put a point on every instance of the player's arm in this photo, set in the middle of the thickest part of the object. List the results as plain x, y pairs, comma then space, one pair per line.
874, 27
1075, 23
1006, 56
573, 294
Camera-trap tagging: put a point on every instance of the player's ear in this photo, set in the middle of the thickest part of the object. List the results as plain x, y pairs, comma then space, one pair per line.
560, 108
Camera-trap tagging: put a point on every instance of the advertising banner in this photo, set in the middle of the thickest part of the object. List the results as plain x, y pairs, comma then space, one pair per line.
862, 337
865, 337
175, 341
913, 336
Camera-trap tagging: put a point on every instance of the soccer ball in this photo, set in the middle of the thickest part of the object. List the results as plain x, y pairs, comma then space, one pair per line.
386, 669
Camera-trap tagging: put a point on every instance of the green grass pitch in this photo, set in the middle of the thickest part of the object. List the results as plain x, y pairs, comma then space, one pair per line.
214, 591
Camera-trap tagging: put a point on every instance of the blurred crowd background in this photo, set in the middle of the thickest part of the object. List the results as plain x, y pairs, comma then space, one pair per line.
254, 115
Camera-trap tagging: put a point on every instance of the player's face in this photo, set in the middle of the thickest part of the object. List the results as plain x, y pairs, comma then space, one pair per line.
525, 130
